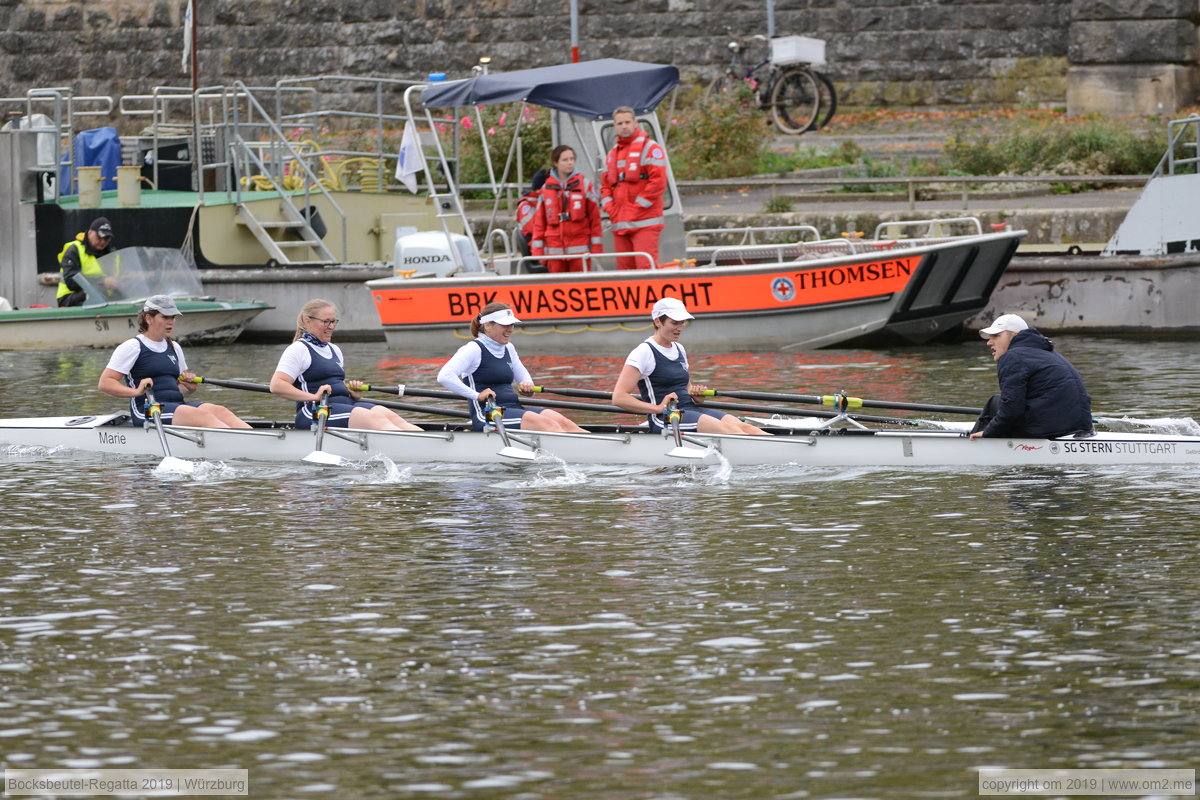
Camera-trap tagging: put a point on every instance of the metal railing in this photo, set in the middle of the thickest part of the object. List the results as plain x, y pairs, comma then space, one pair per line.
64, 109
1176, 131
965, 182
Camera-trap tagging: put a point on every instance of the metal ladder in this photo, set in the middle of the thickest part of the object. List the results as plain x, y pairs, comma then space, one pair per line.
293, 222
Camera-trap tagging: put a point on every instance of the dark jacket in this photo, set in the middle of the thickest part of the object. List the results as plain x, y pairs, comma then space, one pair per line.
1041, 394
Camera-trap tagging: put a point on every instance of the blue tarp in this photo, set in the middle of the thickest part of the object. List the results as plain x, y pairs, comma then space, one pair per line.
99, 147
590, 89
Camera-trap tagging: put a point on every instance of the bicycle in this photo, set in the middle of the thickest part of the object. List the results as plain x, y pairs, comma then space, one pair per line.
800, 98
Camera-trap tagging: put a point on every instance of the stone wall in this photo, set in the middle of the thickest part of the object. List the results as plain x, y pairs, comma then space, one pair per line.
881, 52
1133, 56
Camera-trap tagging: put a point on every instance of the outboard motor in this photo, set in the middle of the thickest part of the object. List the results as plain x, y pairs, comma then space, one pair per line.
429, 253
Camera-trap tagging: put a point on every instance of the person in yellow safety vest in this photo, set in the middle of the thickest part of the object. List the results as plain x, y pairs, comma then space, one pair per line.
81, 255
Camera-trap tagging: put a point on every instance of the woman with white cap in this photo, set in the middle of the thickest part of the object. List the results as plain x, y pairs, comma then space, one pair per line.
658, 370
312, 367
486, 367
153, 360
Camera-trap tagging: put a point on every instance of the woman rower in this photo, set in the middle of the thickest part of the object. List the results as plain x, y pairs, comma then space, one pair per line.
658, 369
152, 360
485, 368
312, 367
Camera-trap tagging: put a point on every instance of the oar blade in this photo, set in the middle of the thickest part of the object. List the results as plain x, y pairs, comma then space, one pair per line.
175, 466
689, 453
516, 453
325, 459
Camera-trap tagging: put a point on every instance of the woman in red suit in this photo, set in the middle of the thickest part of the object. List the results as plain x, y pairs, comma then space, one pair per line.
567, 220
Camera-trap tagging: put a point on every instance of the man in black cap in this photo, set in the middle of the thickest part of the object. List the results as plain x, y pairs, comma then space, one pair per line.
81, 255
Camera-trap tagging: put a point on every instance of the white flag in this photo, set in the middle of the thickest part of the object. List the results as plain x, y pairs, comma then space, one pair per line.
411, 160
187, 38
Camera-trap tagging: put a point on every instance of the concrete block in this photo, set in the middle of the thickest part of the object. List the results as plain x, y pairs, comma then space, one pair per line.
1131, 89
1132, 41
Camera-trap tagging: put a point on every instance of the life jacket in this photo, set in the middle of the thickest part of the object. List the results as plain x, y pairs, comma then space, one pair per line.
89, 264
526, 207
635, 178
567, 219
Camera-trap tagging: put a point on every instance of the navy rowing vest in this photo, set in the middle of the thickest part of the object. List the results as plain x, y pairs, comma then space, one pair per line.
495, 373
322, 370
163, 368
668, 376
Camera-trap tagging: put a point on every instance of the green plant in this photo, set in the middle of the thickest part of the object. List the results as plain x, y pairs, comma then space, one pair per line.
1088, 146
845, 154
779, 204
497, 124
718, 137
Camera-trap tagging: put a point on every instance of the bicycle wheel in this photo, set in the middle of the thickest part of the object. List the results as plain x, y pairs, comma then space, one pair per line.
721, 86
795, 101
828, 98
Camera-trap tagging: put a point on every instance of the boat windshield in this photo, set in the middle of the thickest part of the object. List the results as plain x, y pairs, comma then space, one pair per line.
142, 272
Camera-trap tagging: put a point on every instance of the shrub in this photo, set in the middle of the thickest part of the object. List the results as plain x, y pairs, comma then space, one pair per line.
499, 123
723, 136
1088, 146
779, 204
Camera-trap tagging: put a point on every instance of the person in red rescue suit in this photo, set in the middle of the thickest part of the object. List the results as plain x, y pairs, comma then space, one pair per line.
567, 219
631, 192
526, 206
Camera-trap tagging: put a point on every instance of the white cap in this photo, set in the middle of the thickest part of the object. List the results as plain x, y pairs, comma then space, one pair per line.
163, 304
670, 307
504, 316
1004, 322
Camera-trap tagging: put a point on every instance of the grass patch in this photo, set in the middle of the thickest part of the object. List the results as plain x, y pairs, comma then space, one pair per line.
779, 205
1063, 146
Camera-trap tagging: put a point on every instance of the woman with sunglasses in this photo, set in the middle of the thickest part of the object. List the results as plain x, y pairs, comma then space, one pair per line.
486, 367
312, 367
153, 361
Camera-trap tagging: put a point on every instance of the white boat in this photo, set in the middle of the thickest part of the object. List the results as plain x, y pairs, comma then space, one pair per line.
106, 320
112, 434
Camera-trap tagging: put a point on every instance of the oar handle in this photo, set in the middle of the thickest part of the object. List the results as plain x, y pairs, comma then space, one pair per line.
673, 415
396, 390
153, 407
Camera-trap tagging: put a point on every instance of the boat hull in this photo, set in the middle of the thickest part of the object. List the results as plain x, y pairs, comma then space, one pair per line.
202, 322
906, 292
607, 445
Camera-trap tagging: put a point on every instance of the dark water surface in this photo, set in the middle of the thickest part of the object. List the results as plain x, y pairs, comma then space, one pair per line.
499, 630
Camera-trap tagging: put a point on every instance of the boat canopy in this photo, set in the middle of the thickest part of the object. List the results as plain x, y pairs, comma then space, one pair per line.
590, 89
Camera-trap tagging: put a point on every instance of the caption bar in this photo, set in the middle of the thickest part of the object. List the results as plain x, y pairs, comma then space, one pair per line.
1033, 782
143, 782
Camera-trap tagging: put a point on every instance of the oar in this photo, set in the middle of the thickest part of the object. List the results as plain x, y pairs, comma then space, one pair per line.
783, 412
319, 456
679, 450
262, 387
842, 401
169, 463
496, 417
403, 390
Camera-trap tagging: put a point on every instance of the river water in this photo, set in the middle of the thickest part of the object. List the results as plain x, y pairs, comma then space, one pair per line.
515, 631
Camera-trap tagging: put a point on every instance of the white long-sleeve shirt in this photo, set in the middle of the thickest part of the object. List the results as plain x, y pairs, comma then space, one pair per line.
466, 361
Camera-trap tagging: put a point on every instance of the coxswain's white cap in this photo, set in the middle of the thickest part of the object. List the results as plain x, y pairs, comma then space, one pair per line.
670, 307
163, 304
1004, 322
504, 316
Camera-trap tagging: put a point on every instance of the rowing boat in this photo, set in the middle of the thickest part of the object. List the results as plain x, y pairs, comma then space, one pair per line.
111, 434
106, 319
